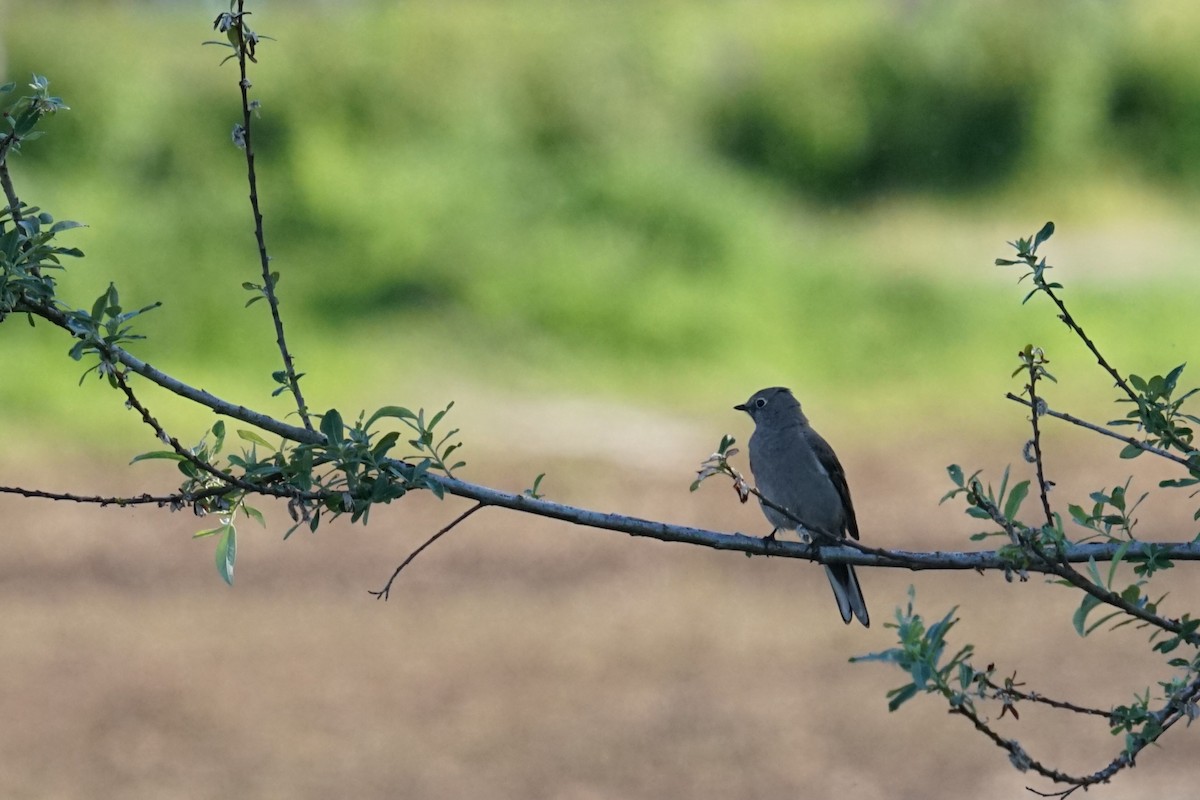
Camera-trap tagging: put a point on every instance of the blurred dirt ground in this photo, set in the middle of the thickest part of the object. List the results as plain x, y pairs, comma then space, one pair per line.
520, 658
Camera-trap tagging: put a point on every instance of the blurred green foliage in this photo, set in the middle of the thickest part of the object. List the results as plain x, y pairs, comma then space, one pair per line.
648, 199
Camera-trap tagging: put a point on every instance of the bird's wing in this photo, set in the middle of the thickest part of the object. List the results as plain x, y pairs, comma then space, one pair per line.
829, 461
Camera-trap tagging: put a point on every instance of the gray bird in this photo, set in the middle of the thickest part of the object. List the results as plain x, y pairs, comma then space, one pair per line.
796, 469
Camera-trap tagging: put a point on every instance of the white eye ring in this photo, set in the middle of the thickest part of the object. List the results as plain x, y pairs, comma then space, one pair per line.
760, 402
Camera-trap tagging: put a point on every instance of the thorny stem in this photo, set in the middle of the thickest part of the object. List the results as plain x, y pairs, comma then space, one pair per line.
163, 436
1043, 489
1059, 565
1120, 381
10, 192
264, 259
1172, 711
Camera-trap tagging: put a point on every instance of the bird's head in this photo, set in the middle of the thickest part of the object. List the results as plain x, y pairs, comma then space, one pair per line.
770, 405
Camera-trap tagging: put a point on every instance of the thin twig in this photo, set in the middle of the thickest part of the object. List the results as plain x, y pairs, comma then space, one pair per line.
1091, 426
383, 593
1016, 753
173, 500
264, 259
1010, 691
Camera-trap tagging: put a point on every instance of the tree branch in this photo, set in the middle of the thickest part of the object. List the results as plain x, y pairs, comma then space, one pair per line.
754, 545
116, 353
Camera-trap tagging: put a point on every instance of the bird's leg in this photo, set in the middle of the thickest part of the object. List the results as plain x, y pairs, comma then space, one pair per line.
770, 537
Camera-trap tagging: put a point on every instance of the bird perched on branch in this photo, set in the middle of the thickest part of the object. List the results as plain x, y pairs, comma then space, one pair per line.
797, 470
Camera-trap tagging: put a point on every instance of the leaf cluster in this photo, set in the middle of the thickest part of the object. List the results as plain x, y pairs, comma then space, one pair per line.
1159, 413
921, 653
105, 326
22, 116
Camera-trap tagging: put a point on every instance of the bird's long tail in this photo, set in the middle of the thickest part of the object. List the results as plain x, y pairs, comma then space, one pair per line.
848, 593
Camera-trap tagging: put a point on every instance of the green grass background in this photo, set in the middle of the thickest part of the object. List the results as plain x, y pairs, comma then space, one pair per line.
666, 204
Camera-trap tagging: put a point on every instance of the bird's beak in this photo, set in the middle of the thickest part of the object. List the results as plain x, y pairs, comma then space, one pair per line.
740, 407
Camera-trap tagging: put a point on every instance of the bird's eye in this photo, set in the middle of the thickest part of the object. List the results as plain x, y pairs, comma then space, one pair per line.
760, 402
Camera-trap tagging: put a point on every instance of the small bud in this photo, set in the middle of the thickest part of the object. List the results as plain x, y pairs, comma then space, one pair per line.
1027, 452
239, 136
742, 488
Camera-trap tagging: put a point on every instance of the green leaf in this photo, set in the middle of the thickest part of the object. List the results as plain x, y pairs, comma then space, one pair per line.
1045, 233
1015, 498
899, 697
1131, 451
254, 514
227, 553
1118, 497
956, 474
537, 482
438, 416
1132, 594
251, 436
1080, 618
1101, 621
892, 655
202, 534
332, 426
167, 454
218, 430
398, 412
65, 225
1173, 377
385, 443
1116, 561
